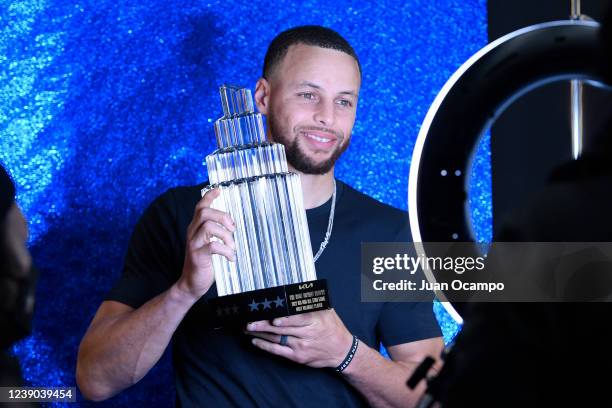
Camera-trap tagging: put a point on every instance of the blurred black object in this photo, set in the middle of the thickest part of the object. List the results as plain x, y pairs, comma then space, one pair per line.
555, 354
17, 282
420, 372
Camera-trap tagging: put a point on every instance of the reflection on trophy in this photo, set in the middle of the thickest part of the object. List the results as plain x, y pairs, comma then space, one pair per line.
273, 274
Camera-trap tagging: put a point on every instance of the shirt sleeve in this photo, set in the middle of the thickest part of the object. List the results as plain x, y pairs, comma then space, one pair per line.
404, 322
151, 263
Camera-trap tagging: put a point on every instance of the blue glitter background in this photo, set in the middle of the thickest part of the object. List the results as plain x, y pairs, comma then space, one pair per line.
106, 104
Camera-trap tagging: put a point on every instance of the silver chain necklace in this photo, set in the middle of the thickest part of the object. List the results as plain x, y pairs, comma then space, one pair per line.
330, 225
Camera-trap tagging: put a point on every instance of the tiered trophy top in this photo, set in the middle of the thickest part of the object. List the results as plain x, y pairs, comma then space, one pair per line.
263, 198
240, 125
243, 151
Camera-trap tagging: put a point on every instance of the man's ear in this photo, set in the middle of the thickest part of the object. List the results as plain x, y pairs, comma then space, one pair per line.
262, 96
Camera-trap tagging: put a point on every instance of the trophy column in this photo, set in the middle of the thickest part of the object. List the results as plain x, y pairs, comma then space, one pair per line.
274, 273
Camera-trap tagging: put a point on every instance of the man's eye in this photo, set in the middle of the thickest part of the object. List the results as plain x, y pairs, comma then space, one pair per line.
307, 95
345, 103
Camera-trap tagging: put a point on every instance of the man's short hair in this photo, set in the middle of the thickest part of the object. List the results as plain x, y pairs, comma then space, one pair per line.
314, 35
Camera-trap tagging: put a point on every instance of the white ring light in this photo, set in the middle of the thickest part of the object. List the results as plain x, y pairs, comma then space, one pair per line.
468, 103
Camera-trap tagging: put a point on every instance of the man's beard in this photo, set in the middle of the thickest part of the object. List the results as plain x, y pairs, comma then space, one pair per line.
297, 157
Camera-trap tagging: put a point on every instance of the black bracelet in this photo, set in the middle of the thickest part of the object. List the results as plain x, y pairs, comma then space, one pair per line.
349, 357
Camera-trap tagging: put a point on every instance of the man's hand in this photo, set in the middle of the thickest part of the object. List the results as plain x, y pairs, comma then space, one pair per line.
316, 339
210, 232
123, 343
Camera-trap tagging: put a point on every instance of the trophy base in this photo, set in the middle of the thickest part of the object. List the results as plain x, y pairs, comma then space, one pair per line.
269, 303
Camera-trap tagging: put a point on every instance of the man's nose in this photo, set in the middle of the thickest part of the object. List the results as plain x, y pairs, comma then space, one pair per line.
324, 114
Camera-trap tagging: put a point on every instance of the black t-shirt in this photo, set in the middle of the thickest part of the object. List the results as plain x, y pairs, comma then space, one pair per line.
220, 368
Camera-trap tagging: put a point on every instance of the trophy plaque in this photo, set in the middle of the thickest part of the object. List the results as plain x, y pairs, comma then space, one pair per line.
273, 274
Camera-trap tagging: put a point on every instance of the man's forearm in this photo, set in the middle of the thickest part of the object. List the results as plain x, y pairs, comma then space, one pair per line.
119, 350
382, 381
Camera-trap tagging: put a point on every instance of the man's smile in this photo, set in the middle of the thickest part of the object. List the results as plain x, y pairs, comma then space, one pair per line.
319, 139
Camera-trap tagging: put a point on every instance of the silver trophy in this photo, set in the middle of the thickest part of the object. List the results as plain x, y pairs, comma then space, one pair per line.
265, 201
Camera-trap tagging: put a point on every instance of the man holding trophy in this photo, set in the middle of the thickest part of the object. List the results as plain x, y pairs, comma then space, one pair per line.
309, 93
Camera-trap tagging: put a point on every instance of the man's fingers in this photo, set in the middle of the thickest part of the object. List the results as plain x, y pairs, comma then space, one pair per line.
214, 247
220, 248
211, 229
208, 223
299, 320
203, 215
208, 198
271, 337
265, 326
274, 348
261, 325
205, 202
